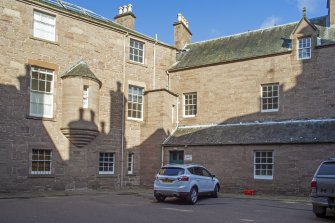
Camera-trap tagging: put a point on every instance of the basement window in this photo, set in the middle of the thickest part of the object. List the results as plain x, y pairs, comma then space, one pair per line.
263, 165
41, 161
106, 163
130, 163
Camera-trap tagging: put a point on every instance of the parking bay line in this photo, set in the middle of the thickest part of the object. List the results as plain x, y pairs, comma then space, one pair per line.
247, 220
179, 210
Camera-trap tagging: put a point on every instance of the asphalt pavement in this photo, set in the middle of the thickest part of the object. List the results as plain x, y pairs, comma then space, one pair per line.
139, 205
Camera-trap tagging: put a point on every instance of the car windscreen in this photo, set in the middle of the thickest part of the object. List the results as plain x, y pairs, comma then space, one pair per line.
327, 169
171, 171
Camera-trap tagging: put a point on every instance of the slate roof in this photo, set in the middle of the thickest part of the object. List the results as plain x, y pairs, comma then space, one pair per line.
281, 132
247, 45
81, 70
85, 13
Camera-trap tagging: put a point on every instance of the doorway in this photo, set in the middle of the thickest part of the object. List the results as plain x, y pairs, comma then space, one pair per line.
176, 157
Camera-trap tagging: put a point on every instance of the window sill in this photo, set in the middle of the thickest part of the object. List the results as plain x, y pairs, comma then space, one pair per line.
269, 111
106, 176
44, 40
263, 178
131, 175
41, 118
137, 63
134, 119
41, 176
189, 117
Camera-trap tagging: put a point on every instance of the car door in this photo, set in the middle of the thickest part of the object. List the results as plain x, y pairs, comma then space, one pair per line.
208, 180
201, 182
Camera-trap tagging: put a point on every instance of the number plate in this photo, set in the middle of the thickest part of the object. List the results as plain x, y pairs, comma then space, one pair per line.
167, 181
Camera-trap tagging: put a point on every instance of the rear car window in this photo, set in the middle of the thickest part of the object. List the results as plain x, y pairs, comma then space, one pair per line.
327, 169
171, 171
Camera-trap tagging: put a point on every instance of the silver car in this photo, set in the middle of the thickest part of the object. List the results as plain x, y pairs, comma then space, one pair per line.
186, 181
323, 188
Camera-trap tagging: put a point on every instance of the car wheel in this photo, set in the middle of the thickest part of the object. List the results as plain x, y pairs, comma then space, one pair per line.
215, 191
160, 198
319, 211
192, 197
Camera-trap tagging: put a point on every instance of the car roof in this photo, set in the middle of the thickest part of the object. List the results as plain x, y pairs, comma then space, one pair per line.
182, 165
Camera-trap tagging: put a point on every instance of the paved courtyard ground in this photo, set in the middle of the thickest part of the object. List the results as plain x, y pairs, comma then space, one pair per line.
140, 206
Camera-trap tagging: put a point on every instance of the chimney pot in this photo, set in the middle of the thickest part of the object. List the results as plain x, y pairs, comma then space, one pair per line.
126, 17
130, 8
125, 9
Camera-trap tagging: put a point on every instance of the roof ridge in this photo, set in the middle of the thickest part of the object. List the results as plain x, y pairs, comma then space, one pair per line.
260, 123
242, 33
252, 31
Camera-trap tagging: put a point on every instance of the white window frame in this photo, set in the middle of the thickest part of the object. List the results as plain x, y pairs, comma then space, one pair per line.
106, 162
136, 50
85, 96
130, 163
270, 96
135, 103
44, 162
264, 162
44, 26
38, 97
185, 95
304, 48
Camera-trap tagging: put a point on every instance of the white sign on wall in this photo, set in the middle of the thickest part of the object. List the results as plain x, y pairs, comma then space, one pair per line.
188, 157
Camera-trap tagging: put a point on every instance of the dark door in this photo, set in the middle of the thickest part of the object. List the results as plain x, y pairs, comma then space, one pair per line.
177, 157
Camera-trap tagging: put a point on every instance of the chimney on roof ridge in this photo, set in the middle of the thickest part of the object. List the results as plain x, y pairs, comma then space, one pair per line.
182, 34
126, 16
331, 12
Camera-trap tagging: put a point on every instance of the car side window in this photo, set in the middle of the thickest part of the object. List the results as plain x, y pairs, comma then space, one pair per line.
197, 171
191, 170
205, 173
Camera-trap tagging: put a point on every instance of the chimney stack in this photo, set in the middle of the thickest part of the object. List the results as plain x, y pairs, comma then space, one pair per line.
331, 12
126, 16
182, 34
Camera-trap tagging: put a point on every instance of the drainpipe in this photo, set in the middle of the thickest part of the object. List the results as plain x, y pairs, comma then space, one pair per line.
154, 77
123, 108
162, 156
168, 80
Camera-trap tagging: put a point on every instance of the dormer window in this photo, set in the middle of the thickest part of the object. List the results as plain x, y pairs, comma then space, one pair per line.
304, 48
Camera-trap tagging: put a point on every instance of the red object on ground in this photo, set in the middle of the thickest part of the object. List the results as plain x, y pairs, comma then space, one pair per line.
249, 192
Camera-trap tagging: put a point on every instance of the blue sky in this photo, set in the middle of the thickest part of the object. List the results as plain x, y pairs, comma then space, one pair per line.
207, 19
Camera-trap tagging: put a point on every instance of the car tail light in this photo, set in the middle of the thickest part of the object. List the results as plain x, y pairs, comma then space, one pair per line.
313, 186
183, 178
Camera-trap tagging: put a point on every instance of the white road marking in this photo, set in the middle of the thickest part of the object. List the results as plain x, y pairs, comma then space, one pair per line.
179, 210
290, 202
247, 220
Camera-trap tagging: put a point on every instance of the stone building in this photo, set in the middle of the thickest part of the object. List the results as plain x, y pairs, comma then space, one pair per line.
89, 103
